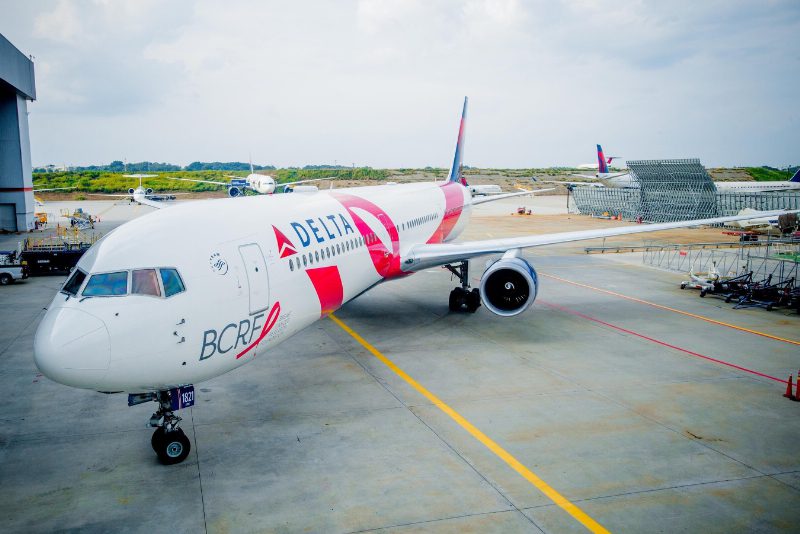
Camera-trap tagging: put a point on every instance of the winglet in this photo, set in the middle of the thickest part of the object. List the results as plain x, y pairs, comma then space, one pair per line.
796, 177
455, 172
601, 161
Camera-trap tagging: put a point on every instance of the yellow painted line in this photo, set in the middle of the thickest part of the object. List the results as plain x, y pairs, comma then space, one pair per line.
674, 310
516, 465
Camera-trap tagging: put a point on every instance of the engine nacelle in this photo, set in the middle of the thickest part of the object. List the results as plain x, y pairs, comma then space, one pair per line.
148, 191
509, 286
234, 192
131, 191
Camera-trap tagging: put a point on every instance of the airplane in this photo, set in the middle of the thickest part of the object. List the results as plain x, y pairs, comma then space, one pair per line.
259, 183
484, 189
141, 194
266, 268
757, 221
603, 177
780, 224
792, 184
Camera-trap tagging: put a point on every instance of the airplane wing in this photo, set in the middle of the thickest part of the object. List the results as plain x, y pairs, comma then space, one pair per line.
580, 184
492, 198
205, 181
425, 256
284, 184
152, 203
108, 195
604, 177
52, 189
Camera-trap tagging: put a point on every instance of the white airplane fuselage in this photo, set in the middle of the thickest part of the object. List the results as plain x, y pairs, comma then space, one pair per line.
616, 180
261, 183
484, 189
756, 187
256, 271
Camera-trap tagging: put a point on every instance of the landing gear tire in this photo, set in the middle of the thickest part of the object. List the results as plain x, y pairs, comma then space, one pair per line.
158, 437
462, 298
473, 300
173, 447
457, 299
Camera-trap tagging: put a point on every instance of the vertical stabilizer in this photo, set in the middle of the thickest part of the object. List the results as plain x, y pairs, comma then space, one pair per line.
602, 166
796, 177
455, 172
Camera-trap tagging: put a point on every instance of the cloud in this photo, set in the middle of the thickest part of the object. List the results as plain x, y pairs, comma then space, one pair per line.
62, 24
380, 82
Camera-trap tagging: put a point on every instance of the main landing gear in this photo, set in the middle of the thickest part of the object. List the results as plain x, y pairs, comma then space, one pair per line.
462, 298
169, 441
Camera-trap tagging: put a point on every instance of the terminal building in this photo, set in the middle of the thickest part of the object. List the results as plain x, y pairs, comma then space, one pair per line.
16, 184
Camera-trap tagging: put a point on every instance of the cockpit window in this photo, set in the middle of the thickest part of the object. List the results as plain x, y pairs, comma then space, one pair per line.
74, 283
172, 282
107, 284
145, 282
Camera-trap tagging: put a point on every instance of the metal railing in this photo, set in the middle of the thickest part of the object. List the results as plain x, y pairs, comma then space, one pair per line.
762, 259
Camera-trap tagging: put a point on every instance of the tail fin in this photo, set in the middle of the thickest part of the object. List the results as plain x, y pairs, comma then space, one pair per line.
796, 177
602, 166
455, 172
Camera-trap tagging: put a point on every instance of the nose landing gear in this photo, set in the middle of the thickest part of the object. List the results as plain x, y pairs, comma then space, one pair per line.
462, 297
168, 441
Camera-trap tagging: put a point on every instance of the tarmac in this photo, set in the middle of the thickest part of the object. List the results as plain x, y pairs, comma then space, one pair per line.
604, 406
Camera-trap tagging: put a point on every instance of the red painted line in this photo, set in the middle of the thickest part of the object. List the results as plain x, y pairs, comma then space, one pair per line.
15, 189
659, 342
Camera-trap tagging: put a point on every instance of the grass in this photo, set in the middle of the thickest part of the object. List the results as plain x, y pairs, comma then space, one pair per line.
763, 174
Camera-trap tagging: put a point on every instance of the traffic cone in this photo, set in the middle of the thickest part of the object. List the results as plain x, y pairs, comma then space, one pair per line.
788, 393
797, 391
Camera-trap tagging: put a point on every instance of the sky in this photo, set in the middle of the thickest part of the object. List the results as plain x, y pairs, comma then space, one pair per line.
381, 82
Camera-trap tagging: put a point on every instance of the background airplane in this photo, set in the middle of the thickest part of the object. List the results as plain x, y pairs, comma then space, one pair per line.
603, 177
791, 184
258, 183
141, 195
266, 268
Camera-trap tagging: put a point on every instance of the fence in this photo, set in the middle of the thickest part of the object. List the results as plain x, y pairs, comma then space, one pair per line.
761, 260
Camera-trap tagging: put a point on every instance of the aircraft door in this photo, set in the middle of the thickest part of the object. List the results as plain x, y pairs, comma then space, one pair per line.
257, 277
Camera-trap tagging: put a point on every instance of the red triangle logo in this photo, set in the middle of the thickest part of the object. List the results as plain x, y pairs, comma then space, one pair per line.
285, 247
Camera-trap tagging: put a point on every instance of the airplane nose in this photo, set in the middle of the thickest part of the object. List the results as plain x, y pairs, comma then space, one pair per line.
72, 347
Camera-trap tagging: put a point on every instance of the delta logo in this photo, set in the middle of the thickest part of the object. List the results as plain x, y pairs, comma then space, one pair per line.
285, 247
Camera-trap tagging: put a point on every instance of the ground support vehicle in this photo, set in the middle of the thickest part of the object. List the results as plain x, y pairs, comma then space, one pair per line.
11, 268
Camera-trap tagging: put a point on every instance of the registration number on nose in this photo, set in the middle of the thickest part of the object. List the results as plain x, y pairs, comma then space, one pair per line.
181, 397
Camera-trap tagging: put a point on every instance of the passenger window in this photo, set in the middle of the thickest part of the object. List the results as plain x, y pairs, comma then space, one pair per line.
172, 282
107, 285
316, 255
304, 260
145, 282
74, 283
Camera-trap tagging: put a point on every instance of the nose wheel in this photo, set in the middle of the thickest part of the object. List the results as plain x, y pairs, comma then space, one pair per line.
168, 441
171, 447
462, 297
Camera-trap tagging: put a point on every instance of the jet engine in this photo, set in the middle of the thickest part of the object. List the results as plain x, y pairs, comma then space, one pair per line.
148, 191
234, 191
131, 191
509, 286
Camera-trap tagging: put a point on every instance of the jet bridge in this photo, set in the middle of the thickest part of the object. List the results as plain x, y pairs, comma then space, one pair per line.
16, 183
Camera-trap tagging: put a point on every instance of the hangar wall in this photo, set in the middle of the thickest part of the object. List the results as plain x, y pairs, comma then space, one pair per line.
16, 183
